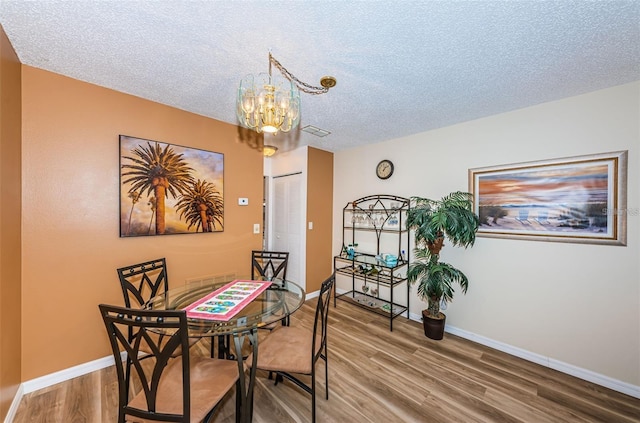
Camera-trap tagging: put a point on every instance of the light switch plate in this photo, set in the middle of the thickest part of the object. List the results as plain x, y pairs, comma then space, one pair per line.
256, 228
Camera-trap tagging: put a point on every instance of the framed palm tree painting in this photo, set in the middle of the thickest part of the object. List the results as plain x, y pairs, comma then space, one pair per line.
169, 189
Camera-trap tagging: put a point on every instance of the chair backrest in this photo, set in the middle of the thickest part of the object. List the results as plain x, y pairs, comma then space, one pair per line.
321, 317
269, 264
144, 325
143, 281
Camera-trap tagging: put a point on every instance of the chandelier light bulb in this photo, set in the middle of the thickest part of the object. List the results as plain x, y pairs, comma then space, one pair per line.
248, 103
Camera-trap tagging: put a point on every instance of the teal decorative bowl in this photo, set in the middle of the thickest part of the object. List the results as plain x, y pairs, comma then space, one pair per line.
390, 260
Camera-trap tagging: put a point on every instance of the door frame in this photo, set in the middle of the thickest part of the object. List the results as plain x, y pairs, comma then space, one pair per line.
280, 165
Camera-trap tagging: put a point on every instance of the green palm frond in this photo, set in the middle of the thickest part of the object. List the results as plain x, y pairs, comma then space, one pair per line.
436, 280
451, 217
202, 194
151, 162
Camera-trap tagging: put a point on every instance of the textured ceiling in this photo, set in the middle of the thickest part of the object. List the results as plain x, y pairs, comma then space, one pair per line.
402, 67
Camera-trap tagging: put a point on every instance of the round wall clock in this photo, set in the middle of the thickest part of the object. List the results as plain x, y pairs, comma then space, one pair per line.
384, 170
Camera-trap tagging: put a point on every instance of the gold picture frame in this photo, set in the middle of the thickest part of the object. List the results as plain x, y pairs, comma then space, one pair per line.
580, 199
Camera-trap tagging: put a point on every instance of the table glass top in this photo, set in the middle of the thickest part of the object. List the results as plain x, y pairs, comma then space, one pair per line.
279, 300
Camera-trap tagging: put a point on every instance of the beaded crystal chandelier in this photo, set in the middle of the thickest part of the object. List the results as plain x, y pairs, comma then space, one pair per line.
271, 103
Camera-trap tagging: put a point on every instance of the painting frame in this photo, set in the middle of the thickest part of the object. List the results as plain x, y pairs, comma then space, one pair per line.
580, 199
169, 189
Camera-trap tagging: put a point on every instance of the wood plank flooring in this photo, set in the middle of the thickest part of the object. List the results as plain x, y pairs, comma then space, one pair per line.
379, 376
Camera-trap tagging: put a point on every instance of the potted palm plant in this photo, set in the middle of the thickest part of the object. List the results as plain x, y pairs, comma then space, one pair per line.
432, 221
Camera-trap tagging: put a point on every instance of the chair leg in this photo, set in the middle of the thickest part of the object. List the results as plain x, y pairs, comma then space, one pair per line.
279, 378
222, 347
238, 402
326, 375
313, 396
326, 369
226, 350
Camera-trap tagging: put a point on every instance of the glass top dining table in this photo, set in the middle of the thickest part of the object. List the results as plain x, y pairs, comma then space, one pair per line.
275, 303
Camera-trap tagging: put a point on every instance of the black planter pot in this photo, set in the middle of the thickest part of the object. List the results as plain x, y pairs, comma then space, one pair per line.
433, 327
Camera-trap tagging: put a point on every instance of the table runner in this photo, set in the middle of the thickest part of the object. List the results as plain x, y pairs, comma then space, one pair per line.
226, 302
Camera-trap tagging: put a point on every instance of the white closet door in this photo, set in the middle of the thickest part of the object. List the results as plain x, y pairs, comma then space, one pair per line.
288, 223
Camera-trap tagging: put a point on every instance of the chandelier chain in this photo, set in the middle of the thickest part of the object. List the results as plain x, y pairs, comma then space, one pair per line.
303, 86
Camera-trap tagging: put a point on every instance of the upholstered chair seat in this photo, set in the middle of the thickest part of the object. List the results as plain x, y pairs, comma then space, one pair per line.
203, 390
288, 349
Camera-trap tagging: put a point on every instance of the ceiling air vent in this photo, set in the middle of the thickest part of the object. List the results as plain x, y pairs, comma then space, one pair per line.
315, 131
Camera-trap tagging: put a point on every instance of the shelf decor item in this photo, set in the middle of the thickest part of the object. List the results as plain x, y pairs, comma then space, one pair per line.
384, 169
432, 221
390, 260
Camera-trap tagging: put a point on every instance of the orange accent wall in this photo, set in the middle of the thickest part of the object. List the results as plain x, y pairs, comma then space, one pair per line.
70, 236
320, 212
10, 204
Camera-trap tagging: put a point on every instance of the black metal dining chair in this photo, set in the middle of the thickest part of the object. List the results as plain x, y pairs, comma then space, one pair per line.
174, 386
289, 350
268, 265
142, 281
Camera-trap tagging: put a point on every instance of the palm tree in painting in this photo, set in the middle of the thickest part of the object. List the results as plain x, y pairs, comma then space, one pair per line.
201, 206
152, 205
134, 196
160, 172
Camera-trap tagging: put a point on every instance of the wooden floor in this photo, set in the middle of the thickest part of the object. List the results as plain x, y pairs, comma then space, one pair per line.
380, 376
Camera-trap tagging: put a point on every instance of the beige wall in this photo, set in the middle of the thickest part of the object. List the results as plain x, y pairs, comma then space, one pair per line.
71, 247
10, 184
566, 305
320, 213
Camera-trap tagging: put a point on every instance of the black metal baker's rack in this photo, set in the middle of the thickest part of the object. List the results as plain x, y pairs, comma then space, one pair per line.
384, 216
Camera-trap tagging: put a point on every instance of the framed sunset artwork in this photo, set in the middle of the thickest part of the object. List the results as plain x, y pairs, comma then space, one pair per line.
577, 199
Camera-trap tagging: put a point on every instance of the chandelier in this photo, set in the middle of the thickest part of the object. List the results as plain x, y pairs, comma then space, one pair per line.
271, 103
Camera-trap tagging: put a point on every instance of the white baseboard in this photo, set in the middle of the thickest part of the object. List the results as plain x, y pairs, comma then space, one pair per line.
310, 295
340, 291
67, 374
588, 375
14, 405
